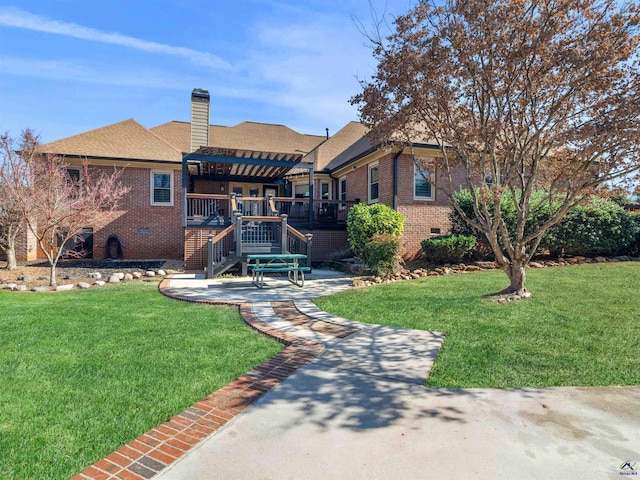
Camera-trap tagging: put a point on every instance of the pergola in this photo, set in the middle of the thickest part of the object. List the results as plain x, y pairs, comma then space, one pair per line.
244, 166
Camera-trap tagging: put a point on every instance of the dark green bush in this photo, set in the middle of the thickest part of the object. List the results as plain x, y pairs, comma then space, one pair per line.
448, 248
600, 227
634, 248
382, 253
538, 215
364, 221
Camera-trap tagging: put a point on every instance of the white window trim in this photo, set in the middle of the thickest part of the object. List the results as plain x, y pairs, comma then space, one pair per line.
433, 187
171, 188
369, 168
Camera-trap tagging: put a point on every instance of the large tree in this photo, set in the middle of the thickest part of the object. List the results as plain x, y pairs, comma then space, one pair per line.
54, 205
534, 95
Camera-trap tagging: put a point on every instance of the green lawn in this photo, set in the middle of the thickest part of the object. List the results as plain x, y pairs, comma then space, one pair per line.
581, 327
84, 372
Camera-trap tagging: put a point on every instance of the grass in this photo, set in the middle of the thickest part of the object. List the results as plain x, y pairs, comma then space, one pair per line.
84, 372
581, 327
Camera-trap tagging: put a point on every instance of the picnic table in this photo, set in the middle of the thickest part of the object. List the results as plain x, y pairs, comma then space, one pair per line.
263, 263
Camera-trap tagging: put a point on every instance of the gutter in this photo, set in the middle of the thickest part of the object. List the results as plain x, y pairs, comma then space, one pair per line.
395, 179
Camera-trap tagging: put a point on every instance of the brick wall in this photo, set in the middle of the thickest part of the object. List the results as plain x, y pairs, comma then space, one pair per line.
147, 231
423, 218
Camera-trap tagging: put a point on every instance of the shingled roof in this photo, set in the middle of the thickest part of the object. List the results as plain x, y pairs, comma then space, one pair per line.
123, 140
245, 136
336, 144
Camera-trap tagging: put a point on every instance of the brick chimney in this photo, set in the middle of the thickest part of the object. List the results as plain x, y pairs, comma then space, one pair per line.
199, 118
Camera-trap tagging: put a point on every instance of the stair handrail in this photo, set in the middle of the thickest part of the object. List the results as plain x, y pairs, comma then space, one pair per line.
212, 247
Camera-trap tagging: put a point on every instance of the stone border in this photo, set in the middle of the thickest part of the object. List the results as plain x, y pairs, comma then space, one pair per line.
153, 451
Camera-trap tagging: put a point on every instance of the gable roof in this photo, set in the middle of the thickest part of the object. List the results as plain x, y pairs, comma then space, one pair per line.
123, 140
244, 136
358, 149
337, 143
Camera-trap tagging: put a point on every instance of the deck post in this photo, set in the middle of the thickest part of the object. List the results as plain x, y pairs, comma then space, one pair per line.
210, 259
238, 234
309, 237
283, 234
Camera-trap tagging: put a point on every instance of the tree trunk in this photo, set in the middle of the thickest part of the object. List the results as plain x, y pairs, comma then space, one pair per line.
517, 276
11, 258
52, 275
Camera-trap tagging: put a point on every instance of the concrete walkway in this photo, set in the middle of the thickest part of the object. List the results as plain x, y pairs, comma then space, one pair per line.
360, 410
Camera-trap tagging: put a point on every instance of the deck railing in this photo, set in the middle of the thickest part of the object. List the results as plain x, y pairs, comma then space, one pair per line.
219, 210
326, 213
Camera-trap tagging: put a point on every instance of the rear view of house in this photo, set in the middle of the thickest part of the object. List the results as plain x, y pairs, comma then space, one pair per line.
191, 181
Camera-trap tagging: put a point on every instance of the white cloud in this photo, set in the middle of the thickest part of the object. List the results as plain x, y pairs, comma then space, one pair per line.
13, 17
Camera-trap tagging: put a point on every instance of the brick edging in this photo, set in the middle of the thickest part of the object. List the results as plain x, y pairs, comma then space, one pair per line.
153, 451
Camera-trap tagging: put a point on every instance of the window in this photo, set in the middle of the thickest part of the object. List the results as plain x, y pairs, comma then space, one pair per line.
325, 193
74, 175
301, 190
162, 188
422, 188
342, 191
373, 182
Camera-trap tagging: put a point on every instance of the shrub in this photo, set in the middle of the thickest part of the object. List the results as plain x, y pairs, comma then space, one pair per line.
382, 253
600, 227
364, 221
448, 248
634, 248
538, 215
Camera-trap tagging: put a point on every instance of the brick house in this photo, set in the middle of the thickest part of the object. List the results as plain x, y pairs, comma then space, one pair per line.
191, 181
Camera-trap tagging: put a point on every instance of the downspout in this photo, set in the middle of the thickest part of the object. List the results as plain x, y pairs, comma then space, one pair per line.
184, 190
395, 179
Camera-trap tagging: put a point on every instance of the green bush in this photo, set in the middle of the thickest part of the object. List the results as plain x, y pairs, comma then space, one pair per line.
634, 248
382, 253
369, 229
364, 221
538, 215
600, 227
448, 248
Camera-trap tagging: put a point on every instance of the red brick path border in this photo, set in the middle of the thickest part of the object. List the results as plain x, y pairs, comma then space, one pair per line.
153, 451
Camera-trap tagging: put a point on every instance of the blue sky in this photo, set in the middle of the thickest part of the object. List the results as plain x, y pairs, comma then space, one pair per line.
67, 66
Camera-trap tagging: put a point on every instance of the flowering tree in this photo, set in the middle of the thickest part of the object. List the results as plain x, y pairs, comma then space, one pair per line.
528, 95
55, 206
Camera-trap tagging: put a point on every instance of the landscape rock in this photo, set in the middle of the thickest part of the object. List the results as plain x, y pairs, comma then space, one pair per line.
114, 278
24, 278
44, 277
10, 286
95, 275
128, 277
600, 259
473, 268
40, 289
63, 288
21, 288
99, 283
161, 273
120, 275
535, 265
84, 285
149, 273
137, 275
357, 283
